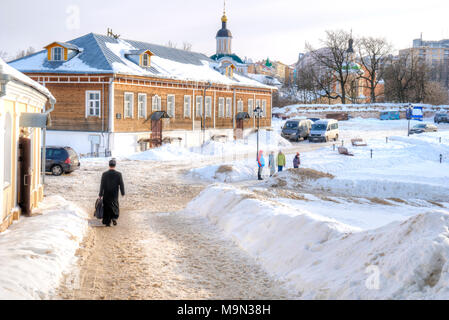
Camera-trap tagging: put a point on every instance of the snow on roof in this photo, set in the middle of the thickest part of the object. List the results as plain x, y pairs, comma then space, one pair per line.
19, 76
102, 54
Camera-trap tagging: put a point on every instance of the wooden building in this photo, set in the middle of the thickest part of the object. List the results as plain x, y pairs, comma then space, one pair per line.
22, 117
108, 88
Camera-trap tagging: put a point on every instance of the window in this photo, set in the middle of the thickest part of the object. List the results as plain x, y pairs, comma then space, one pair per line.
221, 107
7, 152
129, 105
187, 106
145, 60
157, 103
208, 107
240, 106
264, 108
56, 54
93, 101
251, 107
228, 107
142, 105
258, 106
171, 105
199, 106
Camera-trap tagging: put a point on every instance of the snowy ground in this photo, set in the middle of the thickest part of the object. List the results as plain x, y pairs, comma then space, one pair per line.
351, 227
340, 227
36, 251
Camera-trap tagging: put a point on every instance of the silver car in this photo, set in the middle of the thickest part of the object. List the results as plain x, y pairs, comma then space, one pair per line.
423, 127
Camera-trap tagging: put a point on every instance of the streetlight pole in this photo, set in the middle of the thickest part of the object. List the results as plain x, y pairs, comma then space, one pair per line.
257, 113
203, 119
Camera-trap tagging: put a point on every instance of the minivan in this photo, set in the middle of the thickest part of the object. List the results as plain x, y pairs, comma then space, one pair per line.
441, 117
59, 160
296, 130
324, 130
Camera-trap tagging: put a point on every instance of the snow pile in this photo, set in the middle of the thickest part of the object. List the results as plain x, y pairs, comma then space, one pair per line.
165, 153
317, 108
324, 259
224, 173
35, 252
268, 141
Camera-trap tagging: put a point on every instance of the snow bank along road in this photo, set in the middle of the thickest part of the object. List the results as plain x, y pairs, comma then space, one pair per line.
319, 235
155, 253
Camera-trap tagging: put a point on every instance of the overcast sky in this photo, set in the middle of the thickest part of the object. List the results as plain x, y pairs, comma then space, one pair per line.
261, 28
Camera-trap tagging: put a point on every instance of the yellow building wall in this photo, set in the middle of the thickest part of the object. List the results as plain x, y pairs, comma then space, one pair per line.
10, 210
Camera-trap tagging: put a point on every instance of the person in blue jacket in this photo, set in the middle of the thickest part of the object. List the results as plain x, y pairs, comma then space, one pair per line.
261, 164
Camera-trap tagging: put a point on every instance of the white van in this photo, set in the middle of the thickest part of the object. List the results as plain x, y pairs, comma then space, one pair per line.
324, 131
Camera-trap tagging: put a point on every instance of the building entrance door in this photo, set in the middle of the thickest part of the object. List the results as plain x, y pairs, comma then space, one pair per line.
24, 175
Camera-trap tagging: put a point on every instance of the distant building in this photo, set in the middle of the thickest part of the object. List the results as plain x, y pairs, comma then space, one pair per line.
432, 52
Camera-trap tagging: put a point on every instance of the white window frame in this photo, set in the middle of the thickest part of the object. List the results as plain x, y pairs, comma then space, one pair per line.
251, 107
228, 107
208, 107
221, 107
199, 106
156, 103
239, 105
88, 103
264, 108
187, 106
131, 107
142, 106
171, 107
147, 56
53, 53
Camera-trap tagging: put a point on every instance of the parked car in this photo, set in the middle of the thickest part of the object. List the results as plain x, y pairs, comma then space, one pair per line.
441, 117
314, 119
324, 130
424, 127
59, 160
296, 130
389, 115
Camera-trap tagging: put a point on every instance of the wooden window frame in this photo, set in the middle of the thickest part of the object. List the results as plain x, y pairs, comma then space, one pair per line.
189, 116
240, 106
132, 105
228, 107
221, 107
88, 100
158, 106
144, 106
251, 110
199, 110
174, 105
208, 107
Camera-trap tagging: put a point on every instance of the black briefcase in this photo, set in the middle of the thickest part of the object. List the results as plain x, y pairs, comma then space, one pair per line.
99, 209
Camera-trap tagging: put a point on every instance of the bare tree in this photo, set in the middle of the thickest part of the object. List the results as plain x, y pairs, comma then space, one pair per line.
336, 61
436, 93
187, 46
171, 44
406, 79
24, 53
373, 52
4, 55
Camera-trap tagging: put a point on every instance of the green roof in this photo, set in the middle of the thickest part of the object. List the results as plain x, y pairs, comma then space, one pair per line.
235, 57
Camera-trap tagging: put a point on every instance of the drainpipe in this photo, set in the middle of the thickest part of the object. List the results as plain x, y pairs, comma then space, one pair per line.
44, 139
233, 118
111, 113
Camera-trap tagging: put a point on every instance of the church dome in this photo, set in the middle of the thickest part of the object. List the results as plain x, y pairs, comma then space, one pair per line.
224, 31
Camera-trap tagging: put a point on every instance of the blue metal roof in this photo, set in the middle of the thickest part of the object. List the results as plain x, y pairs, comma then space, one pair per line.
95, 55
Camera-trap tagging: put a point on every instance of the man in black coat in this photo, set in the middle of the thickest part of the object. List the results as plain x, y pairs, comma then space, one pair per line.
111, 181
